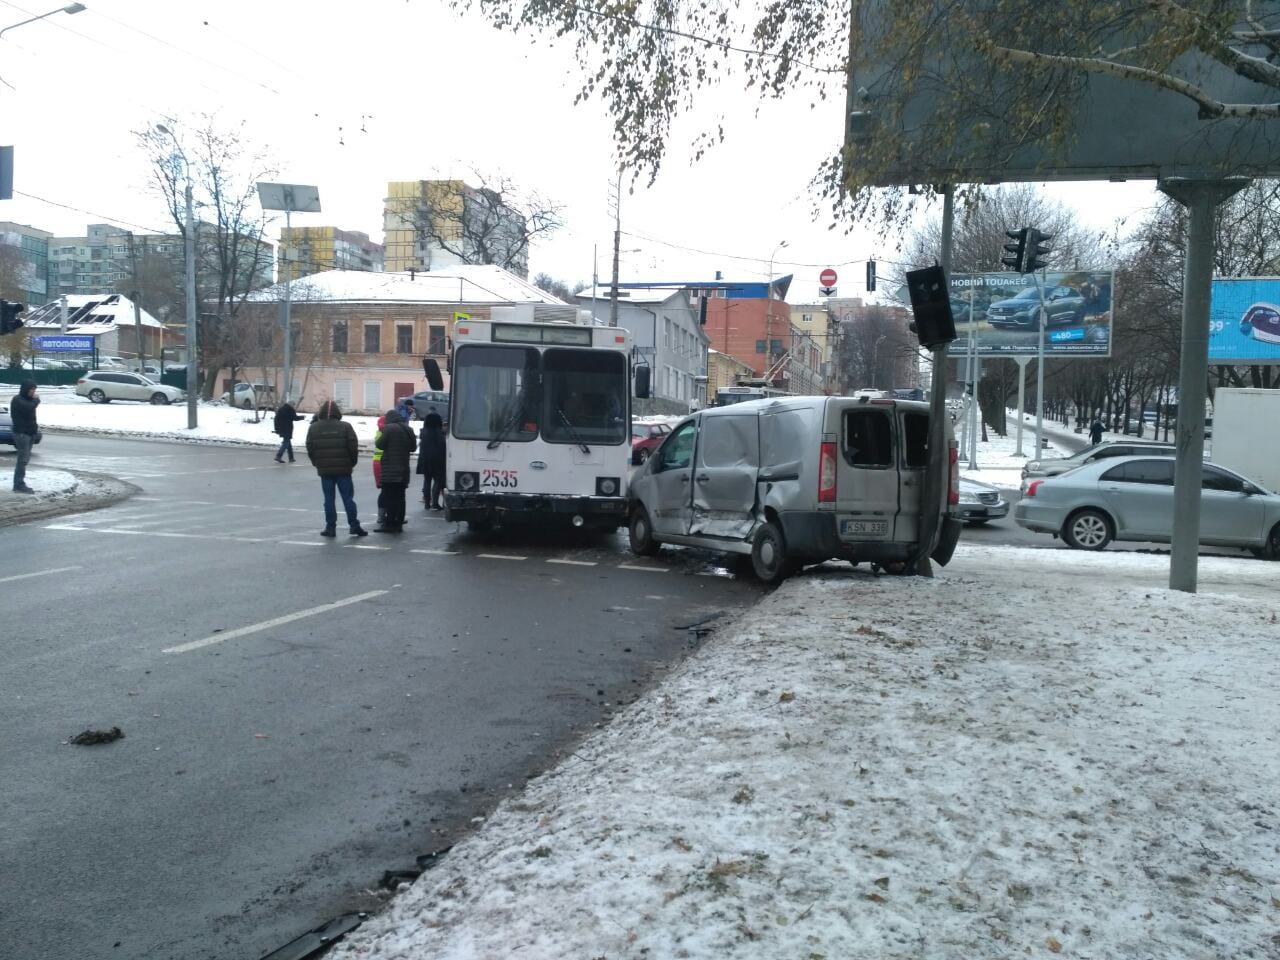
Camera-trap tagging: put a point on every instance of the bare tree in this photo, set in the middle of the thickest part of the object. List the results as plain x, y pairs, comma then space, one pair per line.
557, 288
871, 349
233, 259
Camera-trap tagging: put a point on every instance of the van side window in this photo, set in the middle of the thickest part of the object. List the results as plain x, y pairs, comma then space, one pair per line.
677, 450
915, 440
868, 438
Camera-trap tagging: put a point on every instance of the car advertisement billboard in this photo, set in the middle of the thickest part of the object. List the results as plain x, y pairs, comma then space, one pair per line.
1244, 321
1005, 320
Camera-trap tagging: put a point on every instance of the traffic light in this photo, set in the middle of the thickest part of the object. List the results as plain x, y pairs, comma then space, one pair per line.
871, 276
1016, 252
9, 321
1037, 250
931, 305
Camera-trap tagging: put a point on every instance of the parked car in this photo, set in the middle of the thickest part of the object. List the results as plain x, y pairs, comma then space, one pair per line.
979, 503
112, 363
646, 438
247, 394
6, 426
430, 401
1132, 499
790, 481
150, 369
1061, 305
103, 386
45, 363
1108, 449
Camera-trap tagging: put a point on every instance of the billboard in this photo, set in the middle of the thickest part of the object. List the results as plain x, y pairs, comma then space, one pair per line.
73, 344
1244, 321
1006, 309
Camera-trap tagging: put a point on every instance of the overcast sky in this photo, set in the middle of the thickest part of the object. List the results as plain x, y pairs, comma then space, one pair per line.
348, 97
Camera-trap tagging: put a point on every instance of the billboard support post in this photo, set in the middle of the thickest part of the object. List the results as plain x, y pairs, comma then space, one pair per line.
1201, 198
1022, 398
1042, 323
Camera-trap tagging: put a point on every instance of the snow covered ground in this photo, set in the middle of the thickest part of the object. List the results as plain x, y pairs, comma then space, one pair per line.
217, 420
997, 464
46, 483
1036, 753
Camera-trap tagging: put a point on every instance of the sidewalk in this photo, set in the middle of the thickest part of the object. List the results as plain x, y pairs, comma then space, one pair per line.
1037, 753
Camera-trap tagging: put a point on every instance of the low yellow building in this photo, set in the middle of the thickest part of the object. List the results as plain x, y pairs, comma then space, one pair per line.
725, 371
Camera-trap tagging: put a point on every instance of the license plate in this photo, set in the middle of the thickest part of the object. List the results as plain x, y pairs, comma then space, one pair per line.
499, 479
864, 528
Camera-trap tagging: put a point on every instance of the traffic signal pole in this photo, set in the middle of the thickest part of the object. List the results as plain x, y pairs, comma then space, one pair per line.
1041, 322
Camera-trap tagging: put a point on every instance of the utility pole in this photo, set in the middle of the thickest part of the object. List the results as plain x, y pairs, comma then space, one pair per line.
135, 296
193, 352
617, 246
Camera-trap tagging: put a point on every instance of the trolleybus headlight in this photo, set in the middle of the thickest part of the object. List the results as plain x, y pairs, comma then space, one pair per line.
467, 480
607, 486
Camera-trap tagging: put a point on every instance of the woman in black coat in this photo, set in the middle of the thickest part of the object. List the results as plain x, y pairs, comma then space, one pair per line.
431, 460
396, 442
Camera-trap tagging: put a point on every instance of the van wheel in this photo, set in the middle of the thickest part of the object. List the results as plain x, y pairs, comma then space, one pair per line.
640, 533
1087, 529
769, 555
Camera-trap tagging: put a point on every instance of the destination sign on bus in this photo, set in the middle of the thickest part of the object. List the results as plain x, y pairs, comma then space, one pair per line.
520, 333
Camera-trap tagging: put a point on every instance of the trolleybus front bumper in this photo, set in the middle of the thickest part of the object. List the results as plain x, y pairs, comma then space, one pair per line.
597, 512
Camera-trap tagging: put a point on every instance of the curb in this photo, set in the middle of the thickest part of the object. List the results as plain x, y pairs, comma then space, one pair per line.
174, 438
93, 492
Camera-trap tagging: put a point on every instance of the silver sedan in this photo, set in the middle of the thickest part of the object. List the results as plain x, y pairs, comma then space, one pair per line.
1131, 498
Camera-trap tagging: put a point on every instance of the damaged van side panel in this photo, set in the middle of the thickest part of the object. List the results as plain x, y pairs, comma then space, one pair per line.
724, 487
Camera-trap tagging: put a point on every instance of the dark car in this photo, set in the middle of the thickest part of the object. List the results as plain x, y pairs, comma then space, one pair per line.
646, 438
1061, 305
1262, 322
430, 401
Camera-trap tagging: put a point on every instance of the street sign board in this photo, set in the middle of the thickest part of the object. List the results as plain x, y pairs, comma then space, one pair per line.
828, 277
71, 344
1005, 307
1244, 320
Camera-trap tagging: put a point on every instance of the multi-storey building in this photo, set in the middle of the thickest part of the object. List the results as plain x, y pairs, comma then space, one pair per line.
307, 250
25, 270
816, 321
433, 224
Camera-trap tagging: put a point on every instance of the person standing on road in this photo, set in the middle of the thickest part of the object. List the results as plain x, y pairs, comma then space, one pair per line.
1095, 431
405, 409
431, 460
333, 450
286, 416
23, 411
377, 471
397, 443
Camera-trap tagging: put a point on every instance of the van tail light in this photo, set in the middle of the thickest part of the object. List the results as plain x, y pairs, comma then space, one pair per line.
953, 489
1032, 487
827, 474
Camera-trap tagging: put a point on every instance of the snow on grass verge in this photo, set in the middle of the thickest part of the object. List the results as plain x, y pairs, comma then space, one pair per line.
46, 484
998, 762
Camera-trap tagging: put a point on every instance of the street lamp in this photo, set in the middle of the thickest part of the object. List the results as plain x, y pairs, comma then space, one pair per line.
69, 8
190, 245
291, 198
768, 305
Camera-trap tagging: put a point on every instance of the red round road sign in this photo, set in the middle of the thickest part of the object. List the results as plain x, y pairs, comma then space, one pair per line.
827, 277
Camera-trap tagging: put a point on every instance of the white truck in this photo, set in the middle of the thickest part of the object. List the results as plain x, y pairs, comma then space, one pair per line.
1246, 433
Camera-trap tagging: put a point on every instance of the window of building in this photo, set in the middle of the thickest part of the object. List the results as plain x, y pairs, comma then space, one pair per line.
806, 318
775, 347
666, 327
436, 345
373, 395
372, 338
342, 393
759, 346
339, 336
404, 338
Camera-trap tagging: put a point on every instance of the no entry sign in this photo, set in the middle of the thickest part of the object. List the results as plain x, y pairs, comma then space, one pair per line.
828, 277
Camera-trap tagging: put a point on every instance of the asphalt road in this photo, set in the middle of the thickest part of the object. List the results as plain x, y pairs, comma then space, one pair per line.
299, 714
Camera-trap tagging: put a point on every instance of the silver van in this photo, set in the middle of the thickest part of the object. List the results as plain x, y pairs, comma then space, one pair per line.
791, 481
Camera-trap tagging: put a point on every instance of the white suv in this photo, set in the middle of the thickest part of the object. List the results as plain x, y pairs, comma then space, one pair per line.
103, 386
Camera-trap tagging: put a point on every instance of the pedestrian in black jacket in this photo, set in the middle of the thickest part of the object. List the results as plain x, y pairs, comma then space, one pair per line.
333, 450
431, 460
286, 416
397, 443
23, 411
1095, 432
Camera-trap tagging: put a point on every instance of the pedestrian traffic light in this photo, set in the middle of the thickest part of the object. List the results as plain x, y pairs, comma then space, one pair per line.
1016, 252
1037, 249
931, 304
871, 276
9, 311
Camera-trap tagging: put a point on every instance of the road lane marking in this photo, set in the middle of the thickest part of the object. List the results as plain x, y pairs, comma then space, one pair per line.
575, 563
636, 566
303, 543
435, 553
363, 546
499, 556
268, 624
37, 573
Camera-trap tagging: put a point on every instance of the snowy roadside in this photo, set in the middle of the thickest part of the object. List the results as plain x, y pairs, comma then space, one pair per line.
45, 482
976, 766
997, 464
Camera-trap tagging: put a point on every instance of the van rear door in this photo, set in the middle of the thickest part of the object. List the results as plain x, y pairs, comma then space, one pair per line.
724, 479
867, 481
913, 428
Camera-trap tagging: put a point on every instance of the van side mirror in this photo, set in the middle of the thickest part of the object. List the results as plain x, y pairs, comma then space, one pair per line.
642, 381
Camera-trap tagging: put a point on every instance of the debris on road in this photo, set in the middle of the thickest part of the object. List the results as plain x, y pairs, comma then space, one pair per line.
89, 738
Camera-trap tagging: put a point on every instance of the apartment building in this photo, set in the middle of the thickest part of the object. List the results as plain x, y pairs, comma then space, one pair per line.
24, 262
436, 224
307, 250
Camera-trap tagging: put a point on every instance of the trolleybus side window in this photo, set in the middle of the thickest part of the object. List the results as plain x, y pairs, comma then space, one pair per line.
585, 396
495, 393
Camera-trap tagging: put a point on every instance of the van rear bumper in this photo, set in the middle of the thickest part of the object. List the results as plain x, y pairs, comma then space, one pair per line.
607, 512
815, 537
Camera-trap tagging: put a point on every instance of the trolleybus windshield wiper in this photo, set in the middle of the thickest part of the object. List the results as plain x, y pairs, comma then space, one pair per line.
516, 412
573, 434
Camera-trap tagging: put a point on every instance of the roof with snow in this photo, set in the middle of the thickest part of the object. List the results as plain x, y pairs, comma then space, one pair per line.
458, 284
88, 314
632, 294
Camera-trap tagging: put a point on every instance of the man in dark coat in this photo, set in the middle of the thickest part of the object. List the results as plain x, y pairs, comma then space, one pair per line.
23, 411
286, 416
431, 460
396, 442
1095, 432
333, 450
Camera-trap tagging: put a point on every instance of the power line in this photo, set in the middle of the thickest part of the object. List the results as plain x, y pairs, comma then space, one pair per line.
88, 213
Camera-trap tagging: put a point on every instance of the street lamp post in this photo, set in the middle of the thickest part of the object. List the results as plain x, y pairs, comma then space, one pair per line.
189, 232
291, 198
69, 8
768, 305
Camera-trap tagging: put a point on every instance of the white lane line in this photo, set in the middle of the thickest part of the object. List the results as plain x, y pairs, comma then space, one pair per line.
575, 563
37, 573
436, 553
148, 499
268, 624
363, 546
499, 556
636, 566
303, 543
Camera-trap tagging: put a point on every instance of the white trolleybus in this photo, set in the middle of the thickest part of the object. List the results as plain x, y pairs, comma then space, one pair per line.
540, 422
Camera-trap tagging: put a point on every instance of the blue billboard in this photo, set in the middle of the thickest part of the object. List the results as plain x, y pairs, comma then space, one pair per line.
1244, 321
